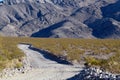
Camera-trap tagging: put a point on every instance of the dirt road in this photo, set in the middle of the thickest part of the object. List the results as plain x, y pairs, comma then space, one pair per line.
44, 68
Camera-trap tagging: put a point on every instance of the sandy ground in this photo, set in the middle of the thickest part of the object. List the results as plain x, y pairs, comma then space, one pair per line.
44, 69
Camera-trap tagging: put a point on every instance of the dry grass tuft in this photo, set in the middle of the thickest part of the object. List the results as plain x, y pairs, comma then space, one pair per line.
71, 49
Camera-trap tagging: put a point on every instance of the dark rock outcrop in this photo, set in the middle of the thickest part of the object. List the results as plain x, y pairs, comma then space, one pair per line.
95, 74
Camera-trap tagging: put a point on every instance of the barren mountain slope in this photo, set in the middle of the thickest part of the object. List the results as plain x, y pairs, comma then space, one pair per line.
30, 17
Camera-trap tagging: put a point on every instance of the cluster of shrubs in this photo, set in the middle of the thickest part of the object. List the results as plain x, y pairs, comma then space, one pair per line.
72, 49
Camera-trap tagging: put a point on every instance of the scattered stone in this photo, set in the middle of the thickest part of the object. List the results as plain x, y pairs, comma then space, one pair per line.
93, 73
9, 72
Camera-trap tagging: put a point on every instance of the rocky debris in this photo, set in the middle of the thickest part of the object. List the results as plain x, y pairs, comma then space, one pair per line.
94, 73
9, 72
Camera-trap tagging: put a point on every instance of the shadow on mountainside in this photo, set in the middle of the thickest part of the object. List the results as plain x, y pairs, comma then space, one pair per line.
51, 57
47, 32
103, 28
112, 11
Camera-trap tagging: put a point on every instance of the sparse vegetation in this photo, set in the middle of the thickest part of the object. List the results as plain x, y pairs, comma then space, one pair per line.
71, 49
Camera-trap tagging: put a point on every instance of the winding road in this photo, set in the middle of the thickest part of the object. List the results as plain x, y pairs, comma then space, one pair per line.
43, 68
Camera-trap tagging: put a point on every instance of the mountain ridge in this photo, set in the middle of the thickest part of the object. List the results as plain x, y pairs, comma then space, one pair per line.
29, 17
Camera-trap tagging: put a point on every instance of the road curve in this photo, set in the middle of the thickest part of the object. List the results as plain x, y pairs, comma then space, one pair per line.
43, 68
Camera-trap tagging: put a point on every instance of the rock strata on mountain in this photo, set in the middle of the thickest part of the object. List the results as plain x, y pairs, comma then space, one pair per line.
60, 18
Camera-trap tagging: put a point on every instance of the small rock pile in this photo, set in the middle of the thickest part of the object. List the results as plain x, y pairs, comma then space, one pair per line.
93, 73
98, 74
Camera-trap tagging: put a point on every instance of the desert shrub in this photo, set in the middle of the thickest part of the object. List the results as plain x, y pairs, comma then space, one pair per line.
72, 49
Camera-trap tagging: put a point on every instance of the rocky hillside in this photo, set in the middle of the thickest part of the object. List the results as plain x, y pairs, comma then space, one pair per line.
60, 18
